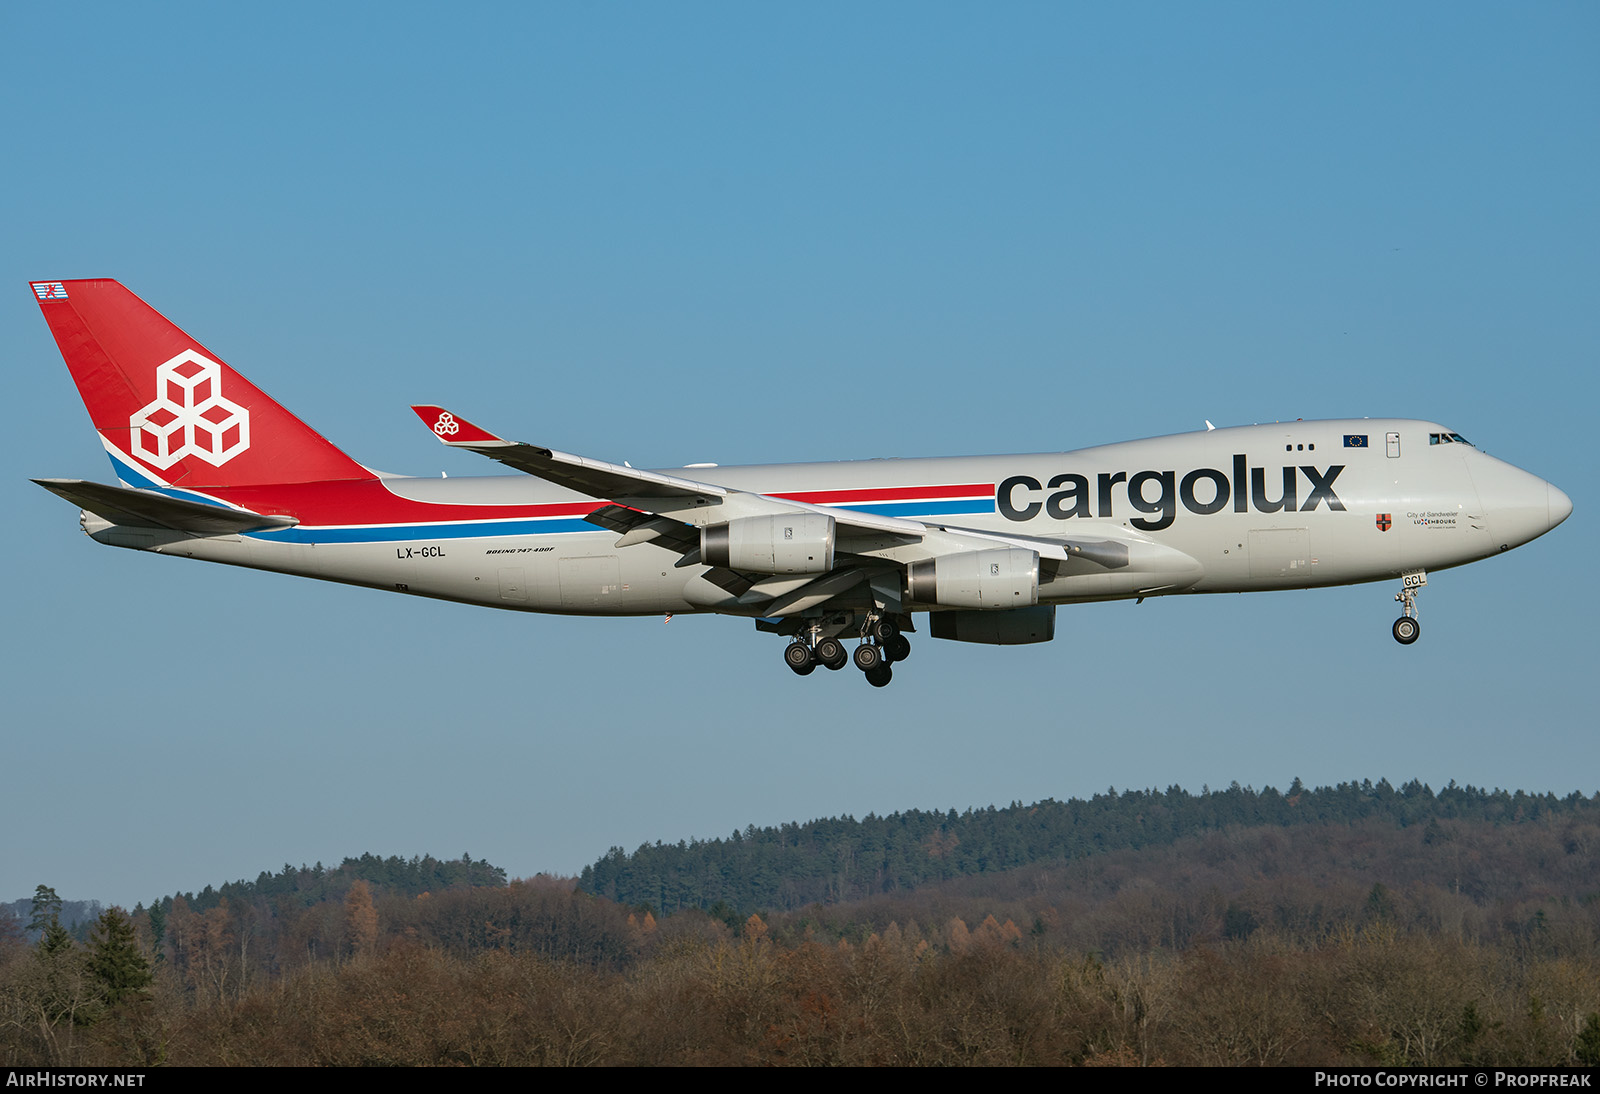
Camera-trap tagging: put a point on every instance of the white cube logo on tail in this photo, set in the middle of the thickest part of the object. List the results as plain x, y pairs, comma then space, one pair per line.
189, 417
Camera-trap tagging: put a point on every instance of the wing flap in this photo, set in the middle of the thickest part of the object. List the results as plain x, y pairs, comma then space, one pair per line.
815, 593
637, 526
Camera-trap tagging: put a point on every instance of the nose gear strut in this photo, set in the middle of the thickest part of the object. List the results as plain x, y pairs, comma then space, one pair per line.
1408, 628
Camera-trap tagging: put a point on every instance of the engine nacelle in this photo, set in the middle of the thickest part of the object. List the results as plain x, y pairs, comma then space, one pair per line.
1018, 627
1007, 577
792, 543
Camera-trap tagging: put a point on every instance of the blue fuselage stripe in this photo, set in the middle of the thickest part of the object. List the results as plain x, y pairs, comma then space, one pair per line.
489, 529
383, 533
923, 508
130, 476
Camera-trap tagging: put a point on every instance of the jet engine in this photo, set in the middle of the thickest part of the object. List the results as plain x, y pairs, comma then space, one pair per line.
790, 543
1007, 577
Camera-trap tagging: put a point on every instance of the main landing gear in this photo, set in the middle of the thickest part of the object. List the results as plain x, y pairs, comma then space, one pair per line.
1407, 629
882, 644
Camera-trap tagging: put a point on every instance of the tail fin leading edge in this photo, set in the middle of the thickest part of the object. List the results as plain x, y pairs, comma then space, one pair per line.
167, 407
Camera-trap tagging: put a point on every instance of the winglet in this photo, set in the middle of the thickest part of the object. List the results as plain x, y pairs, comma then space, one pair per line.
455, 430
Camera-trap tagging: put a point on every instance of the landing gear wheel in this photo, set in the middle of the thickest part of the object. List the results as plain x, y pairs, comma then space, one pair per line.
880, 676
797, 655
869, 657
884, 630
1406, 628
898, 648
831, 652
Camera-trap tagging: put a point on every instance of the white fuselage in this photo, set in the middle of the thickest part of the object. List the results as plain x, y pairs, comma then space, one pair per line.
1281, 506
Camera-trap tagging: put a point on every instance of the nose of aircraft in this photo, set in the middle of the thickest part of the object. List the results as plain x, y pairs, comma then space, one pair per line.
1560, 504
1519, 506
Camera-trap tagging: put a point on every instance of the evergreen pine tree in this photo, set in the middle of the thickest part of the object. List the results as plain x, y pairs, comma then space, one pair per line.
54, 940
46, 909
115, 959
1588, 1046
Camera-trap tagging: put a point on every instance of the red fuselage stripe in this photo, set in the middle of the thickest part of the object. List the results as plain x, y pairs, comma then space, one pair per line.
368, 501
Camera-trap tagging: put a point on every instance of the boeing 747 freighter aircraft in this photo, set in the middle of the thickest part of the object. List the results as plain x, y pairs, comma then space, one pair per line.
211, 468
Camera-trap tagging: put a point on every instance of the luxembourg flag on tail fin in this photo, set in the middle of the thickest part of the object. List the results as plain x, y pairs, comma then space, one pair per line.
168, 409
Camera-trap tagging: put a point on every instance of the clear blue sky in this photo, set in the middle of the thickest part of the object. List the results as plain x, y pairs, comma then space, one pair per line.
757, 233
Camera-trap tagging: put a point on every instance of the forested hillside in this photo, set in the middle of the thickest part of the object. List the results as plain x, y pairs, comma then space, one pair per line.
1354, 925
308, 885
842, 859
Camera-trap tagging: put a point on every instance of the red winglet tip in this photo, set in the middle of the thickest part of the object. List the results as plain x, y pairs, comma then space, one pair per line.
452, 429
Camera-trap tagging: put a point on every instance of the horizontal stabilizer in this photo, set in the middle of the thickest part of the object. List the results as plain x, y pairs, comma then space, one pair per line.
144, 509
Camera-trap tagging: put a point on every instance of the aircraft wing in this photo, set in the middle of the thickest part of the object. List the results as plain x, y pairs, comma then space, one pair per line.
647, 506
620, 483
147, 509
596, 478
638, 526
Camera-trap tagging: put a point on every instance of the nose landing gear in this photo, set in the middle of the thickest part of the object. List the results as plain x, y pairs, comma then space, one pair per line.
1407, 629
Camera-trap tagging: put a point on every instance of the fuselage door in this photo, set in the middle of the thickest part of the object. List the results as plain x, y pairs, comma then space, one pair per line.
512, 585
1281, 556
590, 582
1392, 442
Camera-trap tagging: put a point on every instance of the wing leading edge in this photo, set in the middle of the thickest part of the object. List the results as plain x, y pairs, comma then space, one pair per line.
674, 513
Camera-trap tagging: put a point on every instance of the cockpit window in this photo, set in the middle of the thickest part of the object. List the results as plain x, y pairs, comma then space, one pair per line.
1448, 438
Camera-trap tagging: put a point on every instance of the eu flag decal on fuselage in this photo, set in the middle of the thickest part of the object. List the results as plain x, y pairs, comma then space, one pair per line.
1355, 440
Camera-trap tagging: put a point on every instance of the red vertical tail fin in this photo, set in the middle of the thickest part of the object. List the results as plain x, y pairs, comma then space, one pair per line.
170, 410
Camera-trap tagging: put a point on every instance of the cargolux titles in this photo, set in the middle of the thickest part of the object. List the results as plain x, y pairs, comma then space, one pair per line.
1159, 493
